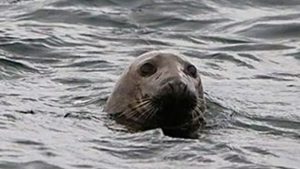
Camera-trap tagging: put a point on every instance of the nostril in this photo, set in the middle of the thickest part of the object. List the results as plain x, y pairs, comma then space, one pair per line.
175, 96
182, 85
177, 87
184, 88
171, 87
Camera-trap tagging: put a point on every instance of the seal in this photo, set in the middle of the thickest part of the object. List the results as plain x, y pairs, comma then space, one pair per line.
159, 90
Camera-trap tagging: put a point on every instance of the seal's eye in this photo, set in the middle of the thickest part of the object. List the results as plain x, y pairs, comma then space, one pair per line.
191, 70
147, 69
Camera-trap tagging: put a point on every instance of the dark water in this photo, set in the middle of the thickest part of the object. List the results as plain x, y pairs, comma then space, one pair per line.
61, 57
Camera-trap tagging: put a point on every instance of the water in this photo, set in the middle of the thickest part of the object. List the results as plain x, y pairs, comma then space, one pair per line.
59, 61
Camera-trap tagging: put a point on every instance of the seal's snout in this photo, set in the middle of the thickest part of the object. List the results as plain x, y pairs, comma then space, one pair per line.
175, 103
175, 95
176, 86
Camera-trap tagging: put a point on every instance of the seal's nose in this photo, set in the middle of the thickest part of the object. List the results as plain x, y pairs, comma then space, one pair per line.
176, 95
173, 85
175, 103
177, 87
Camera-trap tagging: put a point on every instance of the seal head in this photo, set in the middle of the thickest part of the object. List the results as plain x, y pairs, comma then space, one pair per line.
159, 90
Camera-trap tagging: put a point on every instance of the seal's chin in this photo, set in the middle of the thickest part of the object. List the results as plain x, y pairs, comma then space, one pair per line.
175, 115
174, 109
177, 110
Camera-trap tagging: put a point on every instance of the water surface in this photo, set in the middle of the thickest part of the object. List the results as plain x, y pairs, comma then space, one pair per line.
61, 57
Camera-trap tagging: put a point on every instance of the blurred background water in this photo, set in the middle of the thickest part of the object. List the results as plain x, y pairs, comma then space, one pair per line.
63, 57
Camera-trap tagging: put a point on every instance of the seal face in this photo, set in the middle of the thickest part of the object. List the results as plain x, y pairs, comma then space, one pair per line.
159, 90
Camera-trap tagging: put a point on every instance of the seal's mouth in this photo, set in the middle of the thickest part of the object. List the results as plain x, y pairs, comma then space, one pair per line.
175, 104
175, 109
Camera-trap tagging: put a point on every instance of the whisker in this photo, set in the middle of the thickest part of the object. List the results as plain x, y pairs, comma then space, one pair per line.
131, 112
193, 114
151, 113
135, 111
144, 113
127, 111
142, 104
141, 100
199, 115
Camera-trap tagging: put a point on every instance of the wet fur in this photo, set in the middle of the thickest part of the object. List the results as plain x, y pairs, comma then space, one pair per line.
134, 102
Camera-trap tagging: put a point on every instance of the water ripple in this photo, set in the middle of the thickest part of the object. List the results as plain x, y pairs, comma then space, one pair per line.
11, 69
28, 165
60, 59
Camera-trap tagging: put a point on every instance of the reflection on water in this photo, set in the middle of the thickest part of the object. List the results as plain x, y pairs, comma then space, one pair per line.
61, 58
